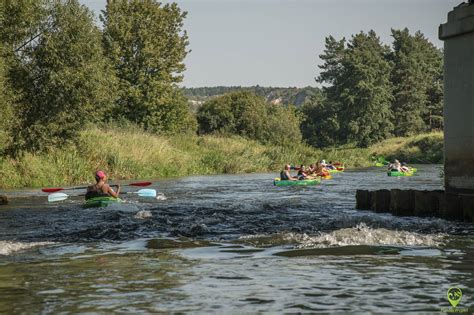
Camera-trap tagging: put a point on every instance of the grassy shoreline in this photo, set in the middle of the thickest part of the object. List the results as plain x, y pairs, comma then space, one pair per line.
134, 154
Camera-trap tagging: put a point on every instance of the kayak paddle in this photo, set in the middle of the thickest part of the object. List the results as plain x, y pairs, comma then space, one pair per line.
142, 193
57, 197
52, 190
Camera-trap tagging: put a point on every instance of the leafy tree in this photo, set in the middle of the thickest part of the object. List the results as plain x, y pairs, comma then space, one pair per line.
241, 113
216, 115
20, 22
283, 125
63, 78
174, 116
146, 44
250, 116
6, 98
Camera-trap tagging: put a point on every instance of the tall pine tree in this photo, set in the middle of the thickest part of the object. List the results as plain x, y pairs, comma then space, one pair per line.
371, 91
417, 78
358, 94
321, 124
367, 92
433, 65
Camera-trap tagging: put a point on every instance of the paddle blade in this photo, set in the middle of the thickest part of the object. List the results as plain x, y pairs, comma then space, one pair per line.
140, 184
57, 197
51, 190
147, 193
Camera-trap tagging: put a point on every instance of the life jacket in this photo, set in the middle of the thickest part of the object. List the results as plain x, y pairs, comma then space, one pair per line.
283, 176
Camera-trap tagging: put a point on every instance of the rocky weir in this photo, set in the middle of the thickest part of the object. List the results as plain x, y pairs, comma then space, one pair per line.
422, 203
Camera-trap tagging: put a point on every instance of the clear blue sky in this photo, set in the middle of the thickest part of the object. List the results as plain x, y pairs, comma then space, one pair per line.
277, 42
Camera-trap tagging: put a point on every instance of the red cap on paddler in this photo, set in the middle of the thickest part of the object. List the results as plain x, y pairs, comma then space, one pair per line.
99, 175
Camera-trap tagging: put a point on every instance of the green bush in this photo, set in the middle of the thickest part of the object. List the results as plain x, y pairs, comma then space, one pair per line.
248, 115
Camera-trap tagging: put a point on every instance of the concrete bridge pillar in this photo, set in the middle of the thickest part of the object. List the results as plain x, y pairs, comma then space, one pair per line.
458, 37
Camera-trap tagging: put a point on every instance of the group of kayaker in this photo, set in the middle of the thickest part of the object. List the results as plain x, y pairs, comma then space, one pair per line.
323, 169
320, 168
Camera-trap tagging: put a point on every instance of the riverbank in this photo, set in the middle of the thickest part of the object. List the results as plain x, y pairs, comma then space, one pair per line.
134, 154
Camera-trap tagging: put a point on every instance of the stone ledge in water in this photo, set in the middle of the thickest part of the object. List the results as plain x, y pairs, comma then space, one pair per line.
429, 203
467, 204
363, 199
422, 203
380, 200
402, 202
452, 208
3, 200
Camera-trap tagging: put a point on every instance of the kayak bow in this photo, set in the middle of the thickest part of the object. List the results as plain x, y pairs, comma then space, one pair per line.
96, 202
411, 172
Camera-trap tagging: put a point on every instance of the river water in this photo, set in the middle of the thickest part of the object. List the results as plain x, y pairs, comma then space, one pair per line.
233, 243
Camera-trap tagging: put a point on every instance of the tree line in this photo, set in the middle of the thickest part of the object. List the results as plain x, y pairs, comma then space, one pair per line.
282, 95
373, 91
59, 71
370, 92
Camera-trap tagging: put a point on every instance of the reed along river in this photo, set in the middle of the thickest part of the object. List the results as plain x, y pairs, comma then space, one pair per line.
234, 243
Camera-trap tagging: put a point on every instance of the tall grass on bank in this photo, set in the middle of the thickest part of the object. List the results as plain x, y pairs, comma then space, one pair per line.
133, 154
423, 148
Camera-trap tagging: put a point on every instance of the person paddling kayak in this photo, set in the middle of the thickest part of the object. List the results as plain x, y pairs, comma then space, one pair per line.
405, 168
321, 170
101, 188
302, 174
285, 174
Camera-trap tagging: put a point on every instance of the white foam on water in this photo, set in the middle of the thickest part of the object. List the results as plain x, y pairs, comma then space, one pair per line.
143, 214
53, 291
9, 247
358, 235
161, 197
364, 235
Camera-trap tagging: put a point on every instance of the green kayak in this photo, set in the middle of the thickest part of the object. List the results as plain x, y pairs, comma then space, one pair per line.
304, 182
395, 173
101, 202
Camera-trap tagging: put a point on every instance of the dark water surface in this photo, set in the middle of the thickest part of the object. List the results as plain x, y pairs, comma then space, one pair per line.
233, 243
